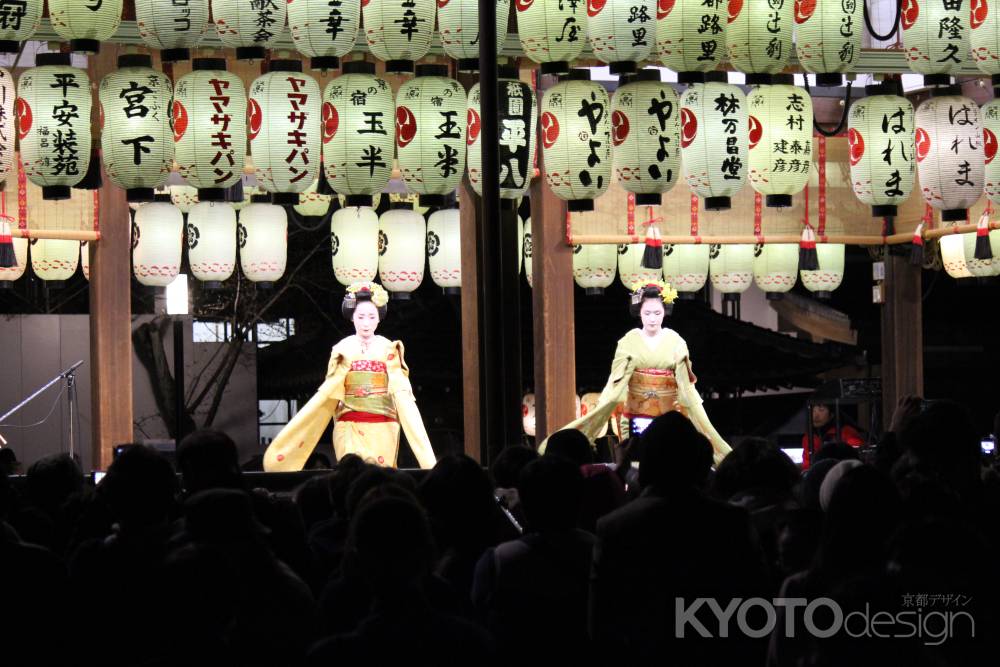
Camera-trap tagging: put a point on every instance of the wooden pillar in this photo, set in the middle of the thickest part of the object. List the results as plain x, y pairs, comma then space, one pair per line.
110, 307
902, 334
469, 229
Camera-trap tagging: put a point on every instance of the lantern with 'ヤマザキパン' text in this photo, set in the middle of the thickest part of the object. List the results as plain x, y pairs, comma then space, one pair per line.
444, 249
398, 31
20, 24
691, 36
262, 237
714, 141
759, 37
157, 238
85, 24
552, 32
458, 23
252, 27
730, 268
594, 266
829, 275
685, 267
402, 238
211, 242
354, 244
173, 27
324, 30
935, 37
828, 37
621, 32
780, 121
775, 267
949, 147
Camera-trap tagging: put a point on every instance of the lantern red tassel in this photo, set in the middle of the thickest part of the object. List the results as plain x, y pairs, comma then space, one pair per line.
917, 246
808, 259
652, 256
983, 250
8, 259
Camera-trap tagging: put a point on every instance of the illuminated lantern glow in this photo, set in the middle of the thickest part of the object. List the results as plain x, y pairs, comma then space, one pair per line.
157, 237
85, 259
402, 236
54, 261
85, 24
828, 37
621, 32
759, 37
630, 268
691, 36
458, 23
984, 38
982, 268
20, 25
953, 256
830, 273
528, 414
324, 30
444, 250
935, 38
262, 237
576, 140
991, 132
430, 134
8, 114
137, 144
517, 121
949, 148
781, 127
775, 267
53, 99
173, 27
646, 137
552, 32
183, 197
8, 274
714, 141
354, 244
685, 267
882, 153
398, 31
252, 27
312, 203
527, 251
210, 126
594, 266
211, 242
730, 268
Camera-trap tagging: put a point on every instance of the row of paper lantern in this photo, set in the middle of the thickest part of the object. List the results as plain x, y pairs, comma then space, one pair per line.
958, 256
584, 404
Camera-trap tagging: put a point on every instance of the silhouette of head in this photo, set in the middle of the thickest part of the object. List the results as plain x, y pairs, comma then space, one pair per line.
944, 438
209, 460
509, 464
551, 491
140, 487
391, 541
755, 463
674, 453
222, 516
571, 445
52, 480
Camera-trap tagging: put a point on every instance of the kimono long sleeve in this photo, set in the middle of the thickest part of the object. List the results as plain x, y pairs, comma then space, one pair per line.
406, 407
691, 400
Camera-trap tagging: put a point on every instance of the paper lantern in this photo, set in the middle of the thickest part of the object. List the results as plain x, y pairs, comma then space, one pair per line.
312, 203
85, 259
183, 197
458, 23
157, 237
576, 140
984, 38
173, 27
691, 36
630, 269
358, 133
398, 31
527, 250
8, 274
8, 109
262, 236
252, 27
54, 261
953, 256
594, 266
85, 24
882, 154
830, 273
828, 37
18, 23
552, 32
354, 244
324, 30
516, 123
621, 32
402, 236
731, 268
53, 117
137, 145
444, 250
645, 137
283, 115
714, 141
949, 147
211, 242
528, 414
759, 37
210, 112
991, 131
981, 268
781, 127
685, 267
775, 267
430, 134
935, 37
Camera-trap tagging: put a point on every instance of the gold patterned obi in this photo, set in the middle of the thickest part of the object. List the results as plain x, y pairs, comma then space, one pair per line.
651, 393
366, 390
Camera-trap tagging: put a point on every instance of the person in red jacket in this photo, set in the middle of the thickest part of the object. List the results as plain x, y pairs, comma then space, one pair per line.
825, 431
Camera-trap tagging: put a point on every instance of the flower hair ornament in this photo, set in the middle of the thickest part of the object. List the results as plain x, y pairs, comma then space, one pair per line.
642, 290
368, 291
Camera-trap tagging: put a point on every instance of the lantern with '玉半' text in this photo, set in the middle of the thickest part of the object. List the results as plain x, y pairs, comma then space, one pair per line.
775, 267
354, 244
881, 150
594, 266
402, 238
85, 24
262, 237
949, 147
780, 133
398, 31
157, 237
211, 242
935, 37
552, 32
828, 37
516, 123
621, 32
759, 37
691, 36
249, 26
714, 141
324, 30
444, 250
173, 27
18, 23
458, 23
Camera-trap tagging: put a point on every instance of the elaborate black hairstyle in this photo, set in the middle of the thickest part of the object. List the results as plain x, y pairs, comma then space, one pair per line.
651, 290
359, 292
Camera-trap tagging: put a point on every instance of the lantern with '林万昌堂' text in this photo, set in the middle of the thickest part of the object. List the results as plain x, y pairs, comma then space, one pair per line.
881, 149
714, 141
252, 27
398, 32
780, 133
173, 27
324, 30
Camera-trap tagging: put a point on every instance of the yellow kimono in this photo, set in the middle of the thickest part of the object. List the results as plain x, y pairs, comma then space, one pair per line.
649, 381
369, 397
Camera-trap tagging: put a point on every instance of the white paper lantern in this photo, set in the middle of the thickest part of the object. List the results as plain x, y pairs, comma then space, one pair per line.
211, 242
444, 249
173, 27
780, 134
594, 266
53, 116
991, 132
691, 36
359, 132
828, 37
882, 154
950, 161
85, 259
183, 197
85, 24
252, 27
621, 32
935, 37
354, 244
516, 123
210, 126
775, 267
137, 144
262, 236
430, 134
398, 31
552, 32
8, 133
458, 23
759, 37
953, 256
324, 30
54, 261
982, 268
18, 23
402, 236
283, 115
528, 414
8, 274
714, 141
157, 238
312, 203
984, 38
830, 273
731, 268
630, 269
685, 267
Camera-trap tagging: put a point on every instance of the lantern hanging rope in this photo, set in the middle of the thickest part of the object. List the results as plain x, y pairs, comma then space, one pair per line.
843, 116
895, 25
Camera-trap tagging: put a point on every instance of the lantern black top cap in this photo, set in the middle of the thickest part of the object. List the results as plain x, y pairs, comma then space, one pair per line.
285, 66
577, 74
208, 63
260, 199
358, 67
135, 60
942, 91
506, 72
401, 205
783, 79
645, 75
43, 59
431, 70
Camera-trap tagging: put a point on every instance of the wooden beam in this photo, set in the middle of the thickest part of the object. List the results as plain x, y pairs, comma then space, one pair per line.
902, 334
468, 226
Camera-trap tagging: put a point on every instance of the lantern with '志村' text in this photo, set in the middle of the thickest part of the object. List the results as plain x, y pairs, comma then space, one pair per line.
780, 121
691, 36
759, 37
18, 23
398, 31
173, 27
85, 24
935, 37
949, 147
354, 244
262, 237
458, 23
552, 32
828, 37
444, 249
402, 238
157, 235
211, 242
249, 26
714, 141
621, 32
324, 30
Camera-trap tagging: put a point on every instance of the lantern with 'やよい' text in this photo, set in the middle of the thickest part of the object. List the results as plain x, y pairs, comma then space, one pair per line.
430, 134
630, 268
949, 147
552, 32
157, 237
137, 144
283, 115
882, 155
935, 37
54, 260
621, 32
458, 23
354, 244
252, 27
444, 250
398, 31
685, 267
173, 27
262, 237
210, 127
594, 266
8, 106
759, 37
829, 275
714, 141
324, 30
990, 113
358, 133
645, 137
780, 122
775, 267
85, 24
19, 24
211, 242
828, 37
576, 140
984, 38
402, 235
53, 116
730, 269
691, 36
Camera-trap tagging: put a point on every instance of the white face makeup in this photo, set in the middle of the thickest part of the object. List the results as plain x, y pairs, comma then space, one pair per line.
652, 316
365, 319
